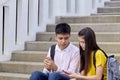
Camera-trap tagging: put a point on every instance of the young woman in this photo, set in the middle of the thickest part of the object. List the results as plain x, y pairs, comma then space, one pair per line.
88, 49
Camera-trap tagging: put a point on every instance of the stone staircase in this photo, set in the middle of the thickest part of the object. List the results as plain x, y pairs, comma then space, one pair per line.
106, 27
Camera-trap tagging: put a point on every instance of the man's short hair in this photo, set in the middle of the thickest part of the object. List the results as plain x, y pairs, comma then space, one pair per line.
62, 28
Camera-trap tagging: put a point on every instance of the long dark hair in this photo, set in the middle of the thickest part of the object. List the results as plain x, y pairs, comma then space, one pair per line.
90, 45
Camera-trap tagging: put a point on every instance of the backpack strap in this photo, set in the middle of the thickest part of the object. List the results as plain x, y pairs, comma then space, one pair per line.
94, 59
52, 51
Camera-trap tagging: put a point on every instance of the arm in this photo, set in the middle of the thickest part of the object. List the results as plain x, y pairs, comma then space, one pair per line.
82, 72
100, 63
49, 64
98, 75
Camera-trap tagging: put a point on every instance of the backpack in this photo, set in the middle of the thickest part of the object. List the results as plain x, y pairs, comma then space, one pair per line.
112, 67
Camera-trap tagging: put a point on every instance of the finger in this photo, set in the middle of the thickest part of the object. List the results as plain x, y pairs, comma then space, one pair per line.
47, 66
47, 61
48, 58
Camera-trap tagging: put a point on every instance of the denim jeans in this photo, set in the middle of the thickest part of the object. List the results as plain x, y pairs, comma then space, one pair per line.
38, 75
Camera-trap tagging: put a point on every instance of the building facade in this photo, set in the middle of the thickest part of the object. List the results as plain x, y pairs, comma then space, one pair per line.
21, 19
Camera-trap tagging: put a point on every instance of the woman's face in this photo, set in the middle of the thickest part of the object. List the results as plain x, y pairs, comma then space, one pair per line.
82, 42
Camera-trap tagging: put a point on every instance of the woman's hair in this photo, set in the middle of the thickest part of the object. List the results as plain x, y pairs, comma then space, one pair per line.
90, 45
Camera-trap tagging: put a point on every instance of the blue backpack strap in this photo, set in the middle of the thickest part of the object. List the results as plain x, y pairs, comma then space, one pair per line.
52, 51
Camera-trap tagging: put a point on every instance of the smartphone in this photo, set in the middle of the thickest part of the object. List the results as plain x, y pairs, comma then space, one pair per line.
65, 72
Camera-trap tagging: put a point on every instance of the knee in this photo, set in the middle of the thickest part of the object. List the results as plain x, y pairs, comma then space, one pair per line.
35, 75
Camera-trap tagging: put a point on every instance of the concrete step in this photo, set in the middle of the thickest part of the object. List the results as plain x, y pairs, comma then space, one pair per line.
89, 19
18, 56
108, 10
112, 4
100, 36
115, 0
96, 14
31, 56
109, 47
117, 56
97, 27
20, 67
13, 76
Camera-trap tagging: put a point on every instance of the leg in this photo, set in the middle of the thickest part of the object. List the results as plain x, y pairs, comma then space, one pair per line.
37, 75
58, 76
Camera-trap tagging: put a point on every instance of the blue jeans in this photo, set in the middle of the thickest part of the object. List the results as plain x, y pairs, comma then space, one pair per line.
37, 75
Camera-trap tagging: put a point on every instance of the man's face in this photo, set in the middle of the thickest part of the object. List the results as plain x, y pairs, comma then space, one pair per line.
62, 40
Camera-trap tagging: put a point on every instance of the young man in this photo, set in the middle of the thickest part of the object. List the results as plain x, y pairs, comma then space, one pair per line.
66, 57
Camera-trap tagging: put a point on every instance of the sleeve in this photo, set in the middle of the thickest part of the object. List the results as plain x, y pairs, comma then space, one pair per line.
74, 64
100, 58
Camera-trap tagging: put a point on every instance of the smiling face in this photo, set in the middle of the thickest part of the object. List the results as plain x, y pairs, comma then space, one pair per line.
82, 42
62, 40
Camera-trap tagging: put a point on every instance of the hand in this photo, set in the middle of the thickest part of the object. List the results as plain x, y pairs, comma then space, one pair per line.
49, 64
73, 76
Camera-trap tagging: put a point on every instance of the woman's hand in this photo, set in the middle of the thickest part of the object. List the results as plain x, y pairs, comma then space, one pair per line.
73, 76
